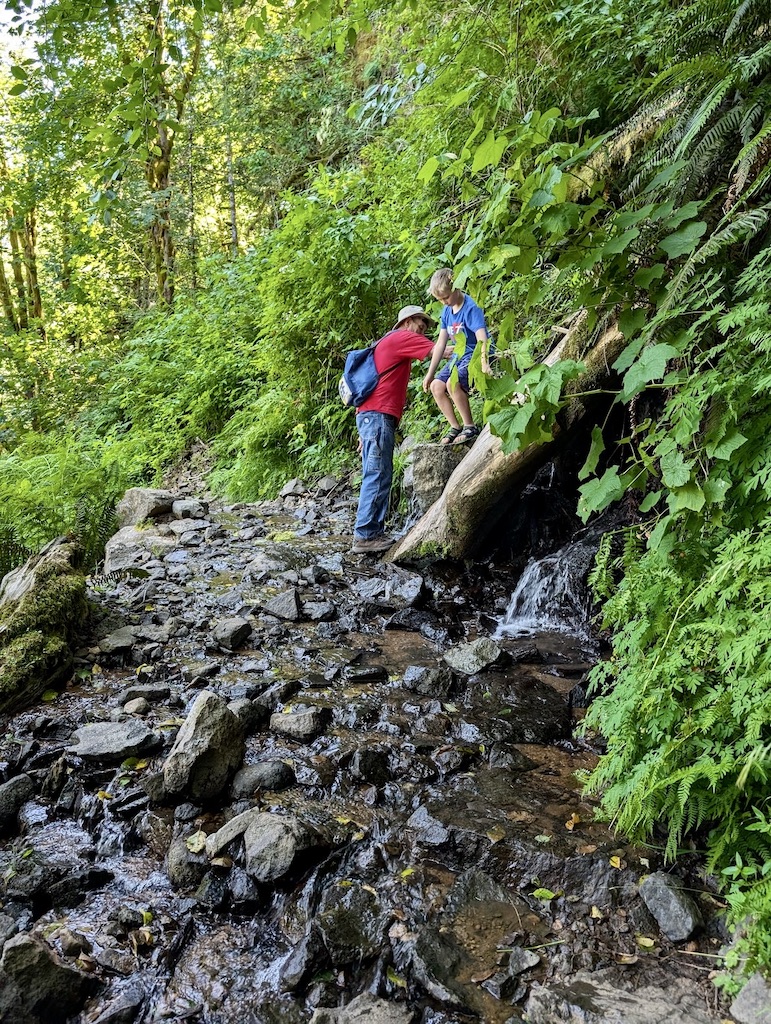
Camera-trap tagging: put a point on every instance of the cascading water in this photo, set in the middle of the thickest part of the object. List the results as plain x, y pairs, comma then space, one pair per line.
551, 595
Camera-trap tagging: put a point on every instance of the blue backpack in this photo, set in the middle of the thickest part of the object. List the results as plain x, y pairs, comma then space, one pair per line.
360, 376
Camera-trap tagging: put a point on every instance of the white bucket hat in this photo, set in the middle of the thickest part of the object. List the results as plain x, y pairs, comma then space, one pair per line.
408, 311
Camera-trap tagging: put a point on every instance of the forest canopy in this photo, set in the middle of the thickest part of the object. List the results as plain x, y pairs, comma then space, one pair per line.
205, 204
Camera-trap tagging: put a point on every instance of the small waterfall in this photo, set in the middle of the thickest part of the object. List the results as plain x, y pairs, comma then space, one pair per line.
551, 595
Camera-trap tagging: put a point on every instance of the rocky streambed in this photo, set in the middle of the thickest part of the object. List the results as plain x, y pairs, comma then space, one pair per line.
288, 784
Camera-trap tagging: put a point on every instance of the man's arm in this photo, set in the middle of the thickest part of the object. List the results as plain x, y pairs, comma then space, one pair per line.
437, 355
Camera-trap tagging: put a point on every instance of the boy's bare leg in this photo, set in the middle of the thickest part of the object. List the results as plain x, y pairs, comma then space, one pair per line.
443, 400
462, 404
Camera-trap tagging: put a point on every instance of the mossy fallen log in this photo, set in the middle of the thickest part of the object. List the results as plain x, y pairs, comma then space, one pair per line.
486, 482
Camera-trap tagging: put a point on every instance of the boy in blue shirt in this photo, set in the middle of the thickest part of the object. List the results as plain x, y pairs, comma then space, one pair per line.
460, 313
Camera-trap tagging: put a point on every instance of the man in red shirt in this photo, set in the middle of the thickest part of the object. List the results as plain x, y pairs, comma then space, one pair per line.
378, 416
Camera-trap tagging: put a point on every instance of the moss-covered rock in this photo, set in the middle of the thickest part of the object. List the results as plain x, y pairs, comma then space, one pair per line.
43, 605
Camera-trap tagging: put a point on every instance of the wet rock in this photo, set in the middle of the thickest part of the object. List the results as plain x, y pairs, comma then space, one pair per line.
208, 750
141, 503
72, 943
113, 742
593, 999
35, 988
250, 715
184, 868
122, 1007
285, 605
155, 831
130, 547
352, 923
301, 726
319, 611
115, 961
189, 508
231, 633
371, 764
271, 845
365, 1009
753, 1004
182, 527
477, 656
8, 927
306, 956
428, 830
218, 841
242, 890
403, 588
213, 891
13, 794
272, 776
277, 694
430, 682
119, 642
677, 913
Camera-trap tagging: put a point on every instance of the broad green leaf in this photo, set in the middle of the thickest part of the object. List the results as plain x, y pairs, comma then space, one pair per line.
597, 448
644, 278
621, 242
690, 496
597, 494
683, 241
675, 471
428, 170
650, 501
631, 321
650, 365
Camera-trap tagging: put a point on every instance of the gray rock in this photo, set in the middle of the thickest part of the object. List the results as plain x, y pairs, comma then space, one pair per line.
319, 611
152, 692
120, 641
184, 868
35, 987
428, 829
294, 488
182, 526
285, 605
271, 844
231, 633
476, 656
327, 484
352, 923
113, 742
677, 913
365, 1009
432, 466
208, 750
130, 547
189, 508
122, 1007
141, 503
272, 776
249, 714
521, 960
13, 794
753, 1004
403, 588
137, 706
593, 999
8, 927
302, 726
218, 841
431, 682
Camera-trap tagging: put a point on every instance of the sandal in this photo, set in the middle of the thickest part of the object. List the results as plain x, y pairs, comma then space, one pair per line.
469, 433
449, 437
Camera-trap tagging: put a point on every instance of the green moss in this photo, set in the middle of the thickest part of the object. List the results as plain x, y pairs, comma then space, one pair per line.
37, 631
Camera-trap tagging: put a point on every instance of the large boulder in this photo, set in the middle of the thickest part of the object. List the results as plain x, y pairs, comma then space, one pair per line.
42, 607
207, 752
139, 504
36, 988
130, 547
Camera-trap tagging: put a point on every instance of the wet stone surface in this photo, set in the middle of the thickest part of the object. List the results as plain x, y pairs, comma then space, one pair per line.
292, 784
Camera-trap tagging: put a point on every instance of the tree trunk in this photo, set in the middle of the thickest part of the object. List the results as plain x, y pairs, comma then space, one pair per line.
159, 181
7, 299
481, 488
231, 196
17, 266
35, 300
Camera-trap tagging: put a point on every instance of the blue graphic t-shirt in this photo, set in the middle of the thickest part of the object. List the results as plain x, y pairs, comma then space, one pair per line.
468, 320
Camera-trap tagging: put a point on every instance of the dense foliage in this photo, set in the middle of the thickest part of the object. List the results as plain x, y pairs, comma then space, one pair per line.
203, 208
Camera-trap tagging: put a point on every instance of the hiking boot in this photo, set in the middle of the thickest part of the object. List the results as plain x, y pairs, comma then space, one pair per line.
372, 545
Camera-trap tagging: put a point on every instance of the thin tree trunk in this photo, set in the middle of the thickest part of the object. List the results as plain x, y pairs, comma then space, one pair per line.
231, 195
35, 301
7, 299
17, 266
191, 208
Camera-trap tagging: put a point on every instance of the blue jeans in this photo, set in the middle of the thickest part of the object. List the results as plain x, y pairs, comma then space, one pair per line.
377, 431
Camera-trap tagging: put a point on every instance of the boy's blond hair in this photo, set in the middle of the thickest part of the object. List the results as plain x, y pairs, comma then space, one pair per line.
441, 285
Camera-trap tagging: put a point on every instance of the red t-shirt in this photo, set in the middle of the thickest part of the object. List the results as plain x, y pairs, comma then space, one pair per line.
400, 348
